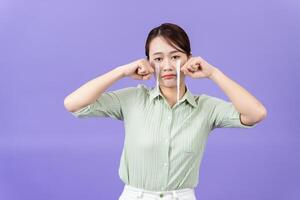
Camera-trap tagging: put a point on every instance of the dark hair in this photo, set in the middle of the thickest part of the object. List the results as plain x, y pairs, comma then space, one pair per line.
173, 34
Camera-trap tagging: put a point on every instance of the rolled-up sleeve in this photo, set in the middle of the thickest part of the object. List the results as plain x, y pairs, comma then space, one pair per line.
225, 115
109, 104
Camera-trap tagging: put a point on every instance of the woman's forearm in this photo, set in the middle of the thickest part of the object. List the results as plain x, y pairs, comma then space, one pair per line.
251, 109
90, 91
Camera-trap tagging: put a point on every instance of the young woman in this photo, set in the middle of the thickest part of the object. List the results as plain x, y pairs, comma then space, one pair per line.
166, 126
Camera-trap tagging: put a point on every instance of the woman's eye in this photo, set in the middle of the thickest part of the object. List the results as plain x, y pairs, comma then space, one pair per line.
176, 57
157, 59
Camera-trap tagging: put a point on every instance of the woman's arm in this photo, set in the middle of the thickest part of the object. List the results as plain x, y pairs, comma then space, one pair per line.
252, 111
91, 90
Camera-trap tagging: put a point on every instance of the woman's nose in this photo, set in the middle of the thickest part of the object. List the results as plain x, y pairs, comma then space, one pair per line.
167, 65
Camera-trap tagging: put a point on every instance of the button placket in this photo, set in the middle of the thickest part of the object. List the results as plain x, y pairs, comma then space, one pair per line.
166, 142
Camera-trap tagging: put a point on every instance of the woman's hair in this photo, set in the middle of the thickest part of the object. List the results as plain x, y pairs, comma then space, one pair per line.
173, 34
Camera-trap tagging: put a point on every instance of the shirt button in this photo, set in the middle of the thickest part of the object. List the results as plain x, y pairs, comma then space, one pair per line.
169, 117
165, 164
167, 140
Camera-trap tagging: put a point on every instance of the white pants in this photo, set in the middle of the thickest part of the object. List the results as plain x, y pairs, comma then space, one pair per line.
133, 193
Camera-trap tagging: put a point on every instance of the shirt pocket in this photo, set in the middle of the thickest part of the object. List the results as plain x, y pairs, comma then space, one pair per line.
189, 147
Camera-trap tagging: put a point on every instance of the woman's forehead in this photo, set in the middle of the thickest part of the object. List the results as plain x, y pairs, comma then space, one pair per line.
160, 46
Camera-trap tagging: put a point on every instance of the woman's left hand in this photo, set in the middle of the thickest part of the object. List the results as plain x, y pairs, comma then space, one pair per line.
197, 67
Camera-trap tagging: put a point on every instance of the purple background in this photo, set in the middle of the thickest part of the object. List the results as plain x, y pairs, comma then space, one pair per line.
50, 48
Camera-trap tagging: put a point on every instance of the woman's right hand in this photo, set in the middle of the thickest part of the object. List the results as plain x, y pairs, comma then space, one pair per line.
139, 70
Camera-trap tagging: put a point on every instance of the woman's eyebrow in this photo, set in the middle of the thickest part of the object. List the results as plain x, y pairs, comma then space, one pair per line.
169, 52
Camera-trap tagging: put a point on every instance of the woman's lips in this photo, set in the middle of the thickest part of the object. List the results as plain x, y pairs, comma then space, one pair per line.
169, 76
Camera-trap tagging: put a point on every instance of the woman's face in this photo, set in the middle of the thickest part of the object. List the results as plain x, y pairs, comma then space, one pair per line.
163, 56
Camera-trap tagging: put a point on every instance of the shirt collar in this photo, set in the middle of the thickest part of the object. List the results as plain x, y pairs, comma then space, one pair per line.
154, 92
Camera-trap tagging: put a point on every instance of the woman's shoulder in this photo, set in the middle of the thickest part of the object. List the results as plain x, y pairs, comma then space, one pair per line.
209, 99
145, 89
138, 88
133, 91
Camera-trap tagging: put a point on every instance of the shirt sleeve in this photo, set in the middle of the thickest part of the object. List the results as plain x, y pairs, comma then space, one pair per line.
109, 104
225, 115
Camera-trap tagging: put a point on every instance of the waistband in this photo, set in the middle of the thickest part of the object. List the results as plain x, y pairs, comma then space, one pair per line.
140, 192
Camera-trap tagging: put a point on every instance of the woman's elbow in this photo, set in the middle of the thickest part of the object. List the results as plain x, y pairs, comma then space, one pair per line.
68, 105
261, 114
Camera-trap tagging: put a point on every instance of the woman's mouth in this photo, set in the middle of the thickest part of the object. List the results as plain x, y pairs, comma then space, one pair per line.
168, 76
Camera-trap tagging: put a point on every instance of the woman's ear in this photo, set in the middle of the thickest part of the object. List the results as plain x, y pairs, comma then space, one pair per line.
188, 57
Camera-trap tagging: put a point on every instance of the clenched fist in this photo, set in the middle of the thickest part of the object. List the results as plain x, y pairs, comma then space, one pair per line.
197, 67
139, 70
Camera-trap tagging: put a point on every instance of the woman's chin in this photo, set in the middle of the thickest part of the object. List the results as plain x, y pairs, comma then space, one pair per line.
169, 84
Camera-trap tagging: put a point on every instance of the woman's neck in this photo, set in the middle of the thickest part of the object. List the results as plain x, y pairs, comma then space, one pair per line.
171, 93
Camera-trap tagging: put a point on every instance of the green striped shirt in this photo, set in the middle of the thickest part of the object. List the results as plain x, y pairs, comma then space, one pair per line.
163, 146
